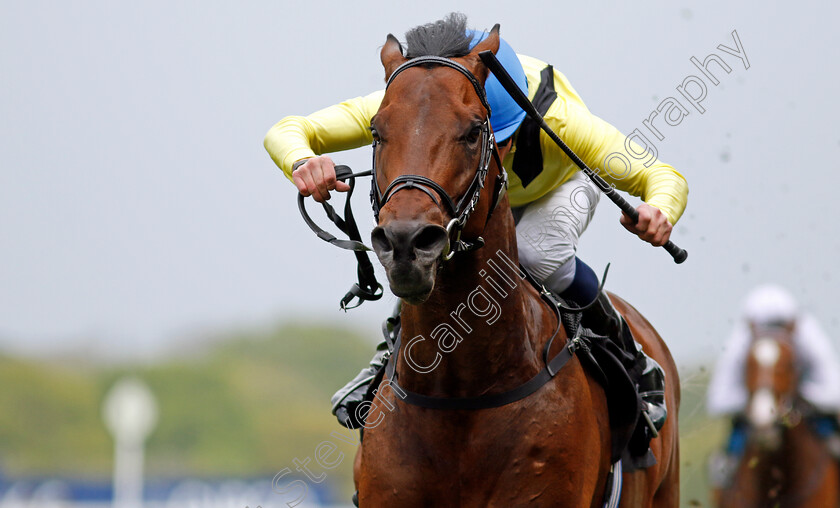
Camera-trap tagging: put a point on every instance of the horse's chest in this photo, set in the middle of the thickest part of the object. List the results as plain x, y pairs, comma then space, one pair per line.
517, 455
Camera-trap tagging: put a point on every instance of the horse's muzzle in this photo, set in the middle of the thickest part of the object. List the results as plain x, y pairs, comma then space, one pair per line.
409, 251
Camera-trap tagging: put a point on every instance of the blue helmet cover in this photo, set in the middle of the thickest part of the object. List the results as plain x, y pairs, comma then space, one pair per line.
506, 115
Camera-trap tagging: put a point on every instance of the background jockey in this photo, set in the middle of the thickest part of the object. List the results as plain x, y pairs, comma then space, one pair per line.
552, 201
771, 306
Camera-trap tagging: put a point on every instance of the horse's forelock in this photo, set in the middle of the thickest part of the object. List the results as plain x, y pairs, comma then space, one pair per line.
446, 37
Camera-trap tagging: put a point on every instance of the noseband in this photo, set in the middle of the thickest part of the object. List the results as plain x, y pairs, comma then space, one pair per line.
461, 211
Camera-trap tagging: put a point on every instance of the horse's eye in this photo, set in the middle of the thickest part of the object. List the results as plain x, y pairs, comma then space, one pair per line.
474, 133
374, 133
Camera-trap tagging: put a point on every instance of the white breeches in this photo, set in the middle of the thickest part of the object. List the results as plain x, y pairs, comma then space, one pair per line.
549, 228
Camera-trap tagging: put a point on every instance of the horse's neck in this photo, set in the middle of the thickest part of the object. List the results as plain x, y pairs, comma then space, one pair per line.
483, 327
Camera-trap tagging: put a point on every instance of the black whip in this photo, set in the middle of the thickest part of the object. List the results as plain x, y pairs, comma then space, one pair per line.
521, 99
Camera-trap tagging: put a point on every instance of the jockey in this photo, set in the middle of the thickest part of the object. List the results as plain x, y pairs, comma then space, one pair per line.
768, 307
552, 201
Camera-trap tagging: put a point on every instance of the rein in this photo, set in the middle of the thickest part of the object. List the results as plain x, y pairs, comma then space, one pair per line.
367, 288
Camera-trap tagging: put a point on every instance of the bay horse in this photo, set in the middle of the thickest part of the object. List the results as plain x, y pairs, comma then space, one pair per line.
473, 331
785, 464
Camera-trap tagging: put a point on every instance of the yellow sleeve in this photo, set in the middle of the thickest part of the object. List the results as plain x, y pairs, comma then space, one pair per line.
602, 148
339, 127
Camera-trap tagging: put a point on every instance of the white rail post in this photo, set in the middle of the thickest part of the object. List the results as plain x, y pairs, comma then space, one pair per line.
130, 413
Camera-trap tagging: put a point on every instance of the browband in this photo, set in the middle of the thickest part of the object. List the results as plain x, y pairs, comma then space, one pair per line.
439, 60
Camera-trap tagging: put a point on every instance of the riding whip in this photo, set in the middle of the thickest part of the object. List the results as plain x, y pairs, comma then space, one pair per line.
521, 99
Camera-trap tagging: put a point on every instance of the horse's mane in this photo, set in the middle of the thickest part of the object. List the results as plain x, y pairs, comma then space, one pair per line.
446, 37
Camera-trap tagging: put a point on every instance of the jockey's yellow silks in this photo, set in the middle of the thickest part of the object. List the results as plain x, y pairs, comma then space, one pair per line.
347, 125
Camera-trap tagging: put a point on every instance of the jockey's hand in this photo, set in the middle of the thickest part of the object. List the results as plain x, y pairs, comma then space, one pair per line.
652, 227
316, 178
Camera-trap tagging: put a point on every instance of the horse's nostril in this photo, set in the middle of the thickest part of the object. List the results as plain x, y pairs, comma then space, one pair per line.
380, 240
409, 241
430, 238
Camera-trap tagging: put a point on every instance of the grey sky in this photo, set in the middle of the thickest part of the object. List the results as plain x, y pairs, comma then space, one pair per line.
138, 207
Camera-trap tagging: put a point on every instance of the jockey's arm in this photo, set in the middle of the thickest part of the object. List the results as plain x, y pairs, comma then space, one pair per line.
602, 147
727, 393
820, 383
305, 138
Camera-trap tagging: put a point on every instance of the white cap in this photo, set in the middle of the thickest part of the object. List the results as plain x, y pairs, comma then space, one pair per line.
770, 304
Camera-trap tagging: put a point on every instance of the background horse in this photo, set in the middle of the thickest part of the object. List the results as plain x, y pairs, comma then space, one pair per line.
785, 464
472, 327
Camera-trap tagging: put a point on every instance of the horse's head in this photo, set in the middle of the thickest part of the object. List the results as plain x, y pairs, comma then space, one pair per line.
771, 380
431, 139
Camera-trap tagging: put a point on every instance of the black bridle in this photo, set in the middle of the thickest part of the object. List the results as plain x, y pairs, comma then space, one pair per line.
368, 288
461, 211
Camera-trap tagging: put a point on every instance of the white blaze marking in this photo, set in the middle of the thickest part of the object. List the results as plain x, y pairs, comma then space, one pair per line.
766, 352
763, 408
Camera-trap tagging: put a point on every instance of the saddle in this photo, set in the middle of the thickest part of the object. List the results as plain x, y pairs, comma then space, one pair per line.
606, 361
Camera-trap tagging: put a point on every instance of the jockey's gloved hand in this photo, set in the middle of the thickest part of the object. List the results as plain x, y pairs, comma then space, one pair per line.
316, 177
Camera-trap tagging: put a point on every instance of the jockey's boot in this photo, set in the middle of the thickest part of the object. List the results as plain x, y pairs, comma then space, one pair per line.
346, 400
602, 318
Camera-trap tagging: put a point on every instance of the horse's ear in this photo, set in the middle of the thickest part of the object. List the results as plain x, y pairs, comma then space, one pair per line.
491, 43
391, 55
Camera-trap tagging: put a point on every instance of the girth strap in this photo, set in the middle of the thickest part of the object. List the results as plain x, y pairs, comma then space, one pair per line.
488, 401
